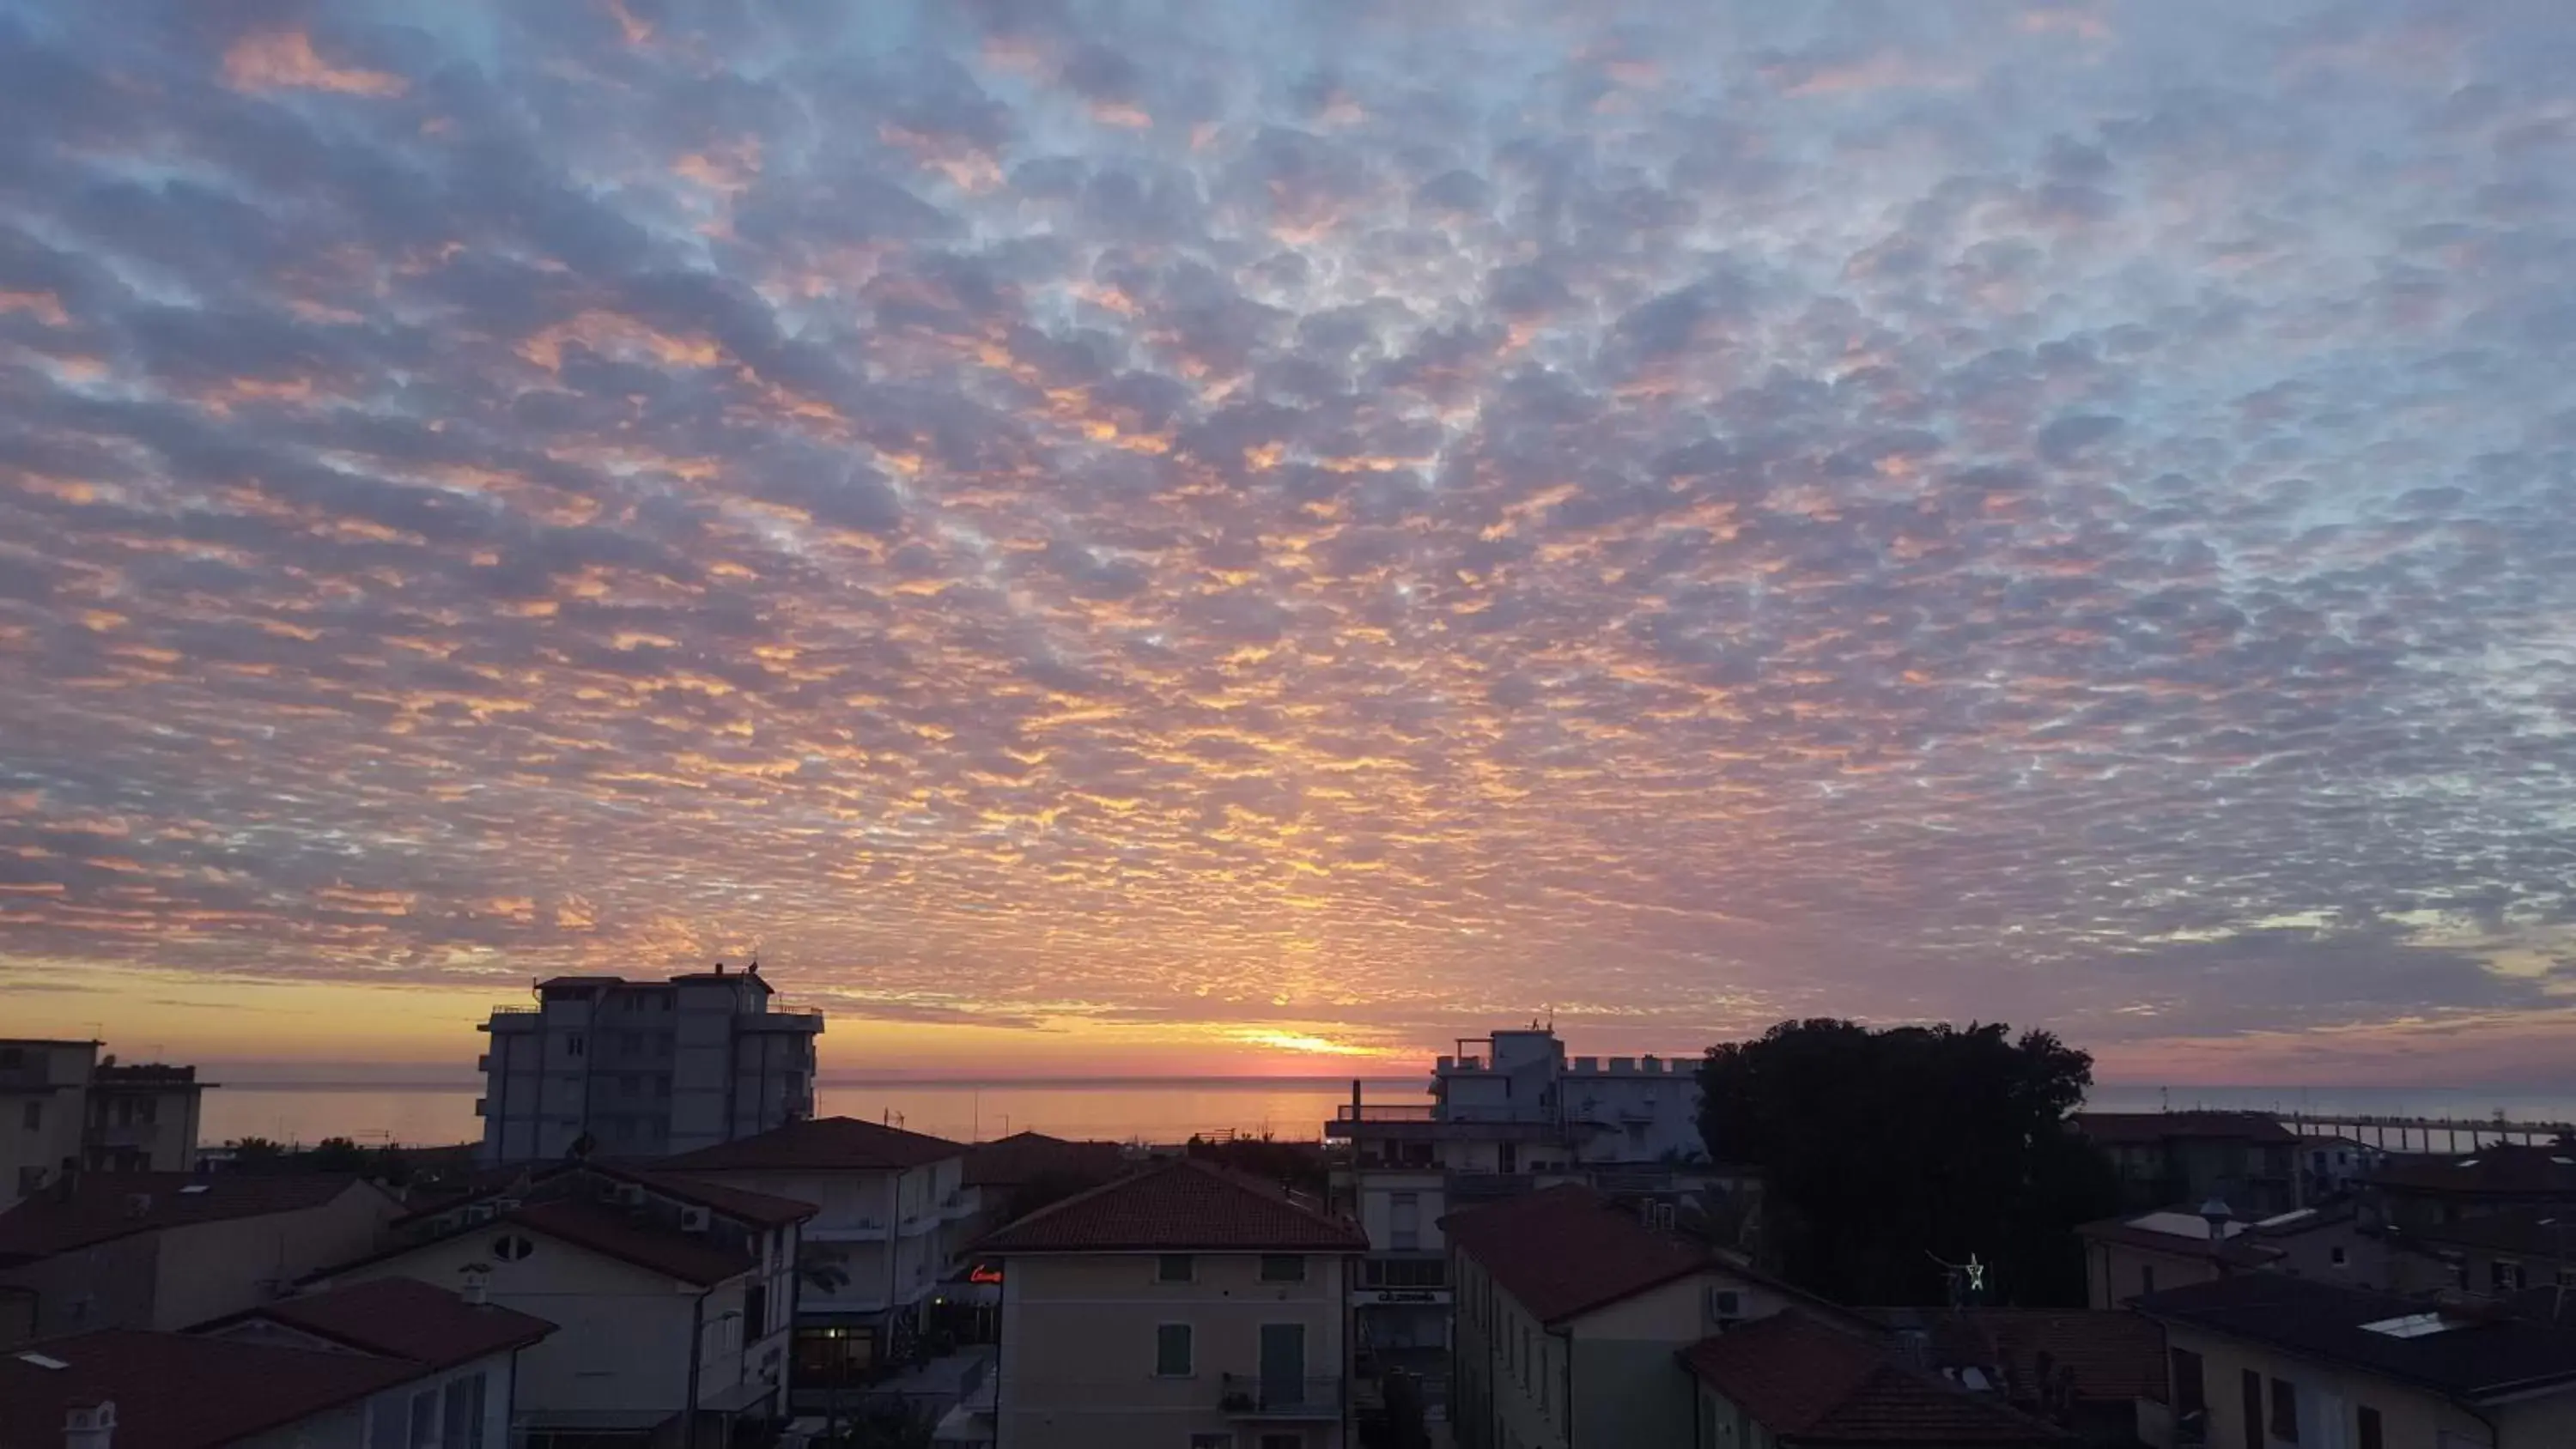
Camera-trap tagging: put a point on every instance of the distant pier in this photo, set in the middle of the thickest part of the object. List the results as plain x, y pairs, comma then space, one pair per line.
2426, 1134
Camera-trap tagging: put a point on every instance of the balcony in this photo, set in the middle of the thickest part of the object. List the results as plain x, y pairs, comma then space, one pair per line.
1255, 1396
1385, 1112
131, 1134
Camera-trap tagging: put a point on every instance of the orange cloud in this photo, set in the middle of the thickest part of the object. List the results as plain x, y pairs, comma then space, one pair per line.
285, 60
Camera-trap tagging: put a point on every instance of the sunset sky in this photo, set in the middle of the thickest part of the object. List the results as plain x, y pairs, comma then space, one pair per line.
1258, 537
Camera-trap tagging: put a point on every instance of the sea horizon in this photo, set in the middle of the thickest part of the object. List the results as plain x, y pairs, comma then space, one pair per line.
440, 1110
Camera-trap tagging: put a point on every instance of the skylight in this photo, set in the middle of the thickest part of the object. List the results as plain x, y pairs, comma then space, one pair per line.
2411, 1325
43, 1360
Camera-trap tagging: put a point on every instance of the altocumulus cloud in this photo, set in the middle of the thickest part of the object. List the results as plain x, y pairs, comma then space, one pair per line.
1389, 513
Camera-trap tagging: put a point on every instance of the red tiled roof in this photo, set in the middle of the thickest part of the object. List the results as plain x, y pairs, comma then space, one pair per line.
2131, 1129
1810, 1384
1010, 1161
2105, 1355
401, 1318
692, 1260
2239, 1250
1568, 1250
821, 1142
180, 1391
109, 1205
1181, 1206
2494, 1171
762, 1209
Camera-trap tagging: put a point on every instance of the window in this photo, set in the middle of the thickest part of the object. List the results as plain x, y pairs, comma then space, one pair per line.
35, 1116
1283, 1268
1171, 1350
755, 1309
510, 1247
2191, 1394
2505, 1277
2285, 1411
460, 1419
1172, 1268
1281, 1441
2146, 1277
572, 1044
1211, 1441
12, 1058
386, 1427
30, 1179
424, 1419
2371, 1434
2339, 1257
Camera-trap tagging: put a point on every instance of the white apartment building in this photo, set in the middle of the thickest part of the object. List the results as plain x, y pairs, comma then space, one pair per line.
643, 1068
891, 1212
1510, 1113
61, 1103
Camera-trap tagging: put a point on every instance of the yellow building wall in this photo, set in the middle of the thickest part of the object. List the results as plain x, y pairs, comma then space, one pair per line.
1078, 1347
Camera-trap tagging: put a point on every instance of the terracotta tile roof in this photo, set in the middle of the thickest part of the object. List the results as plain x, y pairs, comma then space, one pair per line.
2482, 1348
180, 1391
611, 1234
762, 1209
2132, 1129
821, 1142
1811, 1384
2542, 1231
107, 1205
2105, 1355
2238, 1250
400, 1318
1568, 1250
1183, 1205
2498, 1171
1010, 1161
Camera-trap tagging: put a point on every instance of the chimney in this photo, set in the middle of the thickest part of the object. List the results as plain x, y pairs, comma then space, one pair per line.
90, 1426
476, 1291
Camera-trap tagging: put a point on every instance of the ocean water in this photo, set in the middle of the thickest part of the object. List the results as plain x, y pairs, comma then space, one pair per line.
1169, 1110
1157, 1111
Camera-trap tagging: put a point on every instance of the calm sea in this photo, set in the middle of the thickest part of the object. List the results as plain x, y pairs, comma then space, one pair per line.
1168, 1110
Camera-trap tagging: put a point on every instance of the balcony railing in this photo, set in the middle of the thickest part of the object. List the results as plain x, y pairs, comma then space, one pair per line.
1387, 1112
1258, 1396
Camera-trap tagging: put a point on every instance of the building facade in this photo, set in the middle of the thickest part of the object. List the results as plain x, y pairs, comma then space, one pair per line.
675, 1299
61, 1104
2247, 1160
2265, 1360
1183, 1306
386, 1365
890, 1214
643, 1068
1572, 1313
1510, 1113
168, 1250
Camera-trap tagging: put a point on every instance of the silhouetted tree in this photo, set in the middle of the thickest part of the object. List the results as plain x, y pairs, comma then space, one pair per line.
1889, 1153
337, 1154
1290, 1164
256, 1152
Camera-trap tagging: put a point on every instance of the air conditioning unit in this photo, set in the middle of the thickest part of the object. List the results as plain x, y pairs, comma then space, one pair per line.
1725, 1305
693, 1219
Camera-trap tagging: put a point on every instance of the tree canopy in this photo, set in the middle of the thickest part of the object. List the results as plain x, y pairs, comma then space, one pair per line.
1890, 1153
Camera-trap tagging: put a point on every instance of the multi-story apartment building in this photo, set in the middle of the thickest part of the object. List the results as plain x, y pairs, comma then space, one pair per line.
1183, 1305
642, 1068
891, 1212
142, 1118
674, 1297
2264, 1360
2247, 1160
60, 1104
1572, 1314
1510, 1113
